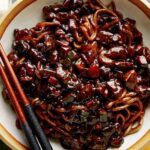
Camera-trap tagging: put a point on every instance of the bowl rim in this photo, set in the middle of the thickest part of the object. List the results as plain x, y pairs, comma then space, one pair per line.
15, 9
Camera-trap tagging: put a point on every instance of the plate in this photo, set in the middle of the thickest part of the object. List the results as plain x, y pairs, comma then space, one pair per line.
25, 14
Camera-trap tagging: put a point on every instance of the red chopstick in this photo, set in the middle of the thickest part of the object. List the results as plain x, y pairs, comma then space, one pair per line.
34, 124
23, 121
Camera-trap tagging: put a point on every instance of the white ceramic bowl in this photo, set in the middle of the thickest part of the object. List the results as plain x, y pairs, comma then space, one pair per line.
25, 14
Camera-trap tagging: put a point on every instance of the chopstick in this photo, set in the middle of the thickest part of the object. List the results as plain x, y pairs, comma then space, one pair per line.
34, 124
24, 124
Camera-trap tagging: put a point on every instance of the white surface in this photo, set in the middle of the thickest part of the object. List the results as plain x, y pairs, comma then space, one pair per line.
4, 5
33, 14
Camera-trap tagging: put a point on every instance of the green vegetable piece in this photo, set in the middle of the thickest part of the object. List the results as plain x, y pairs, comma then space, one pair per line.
103, 117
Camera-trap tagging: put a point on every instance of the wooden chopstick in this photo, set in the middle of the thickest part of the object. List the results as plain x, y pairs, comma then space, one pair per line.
26, 104
23, 121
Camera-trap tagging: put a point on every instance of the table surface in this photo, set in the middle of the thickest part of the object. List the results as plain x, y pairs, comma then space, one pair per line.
2, 145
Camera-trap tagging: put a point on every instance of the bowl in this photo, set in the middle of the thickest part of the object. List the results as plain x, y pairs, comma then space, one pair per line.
25, 14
